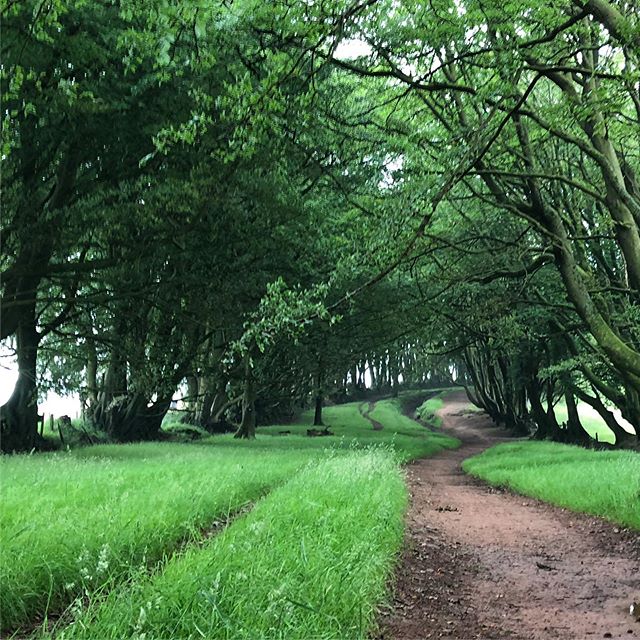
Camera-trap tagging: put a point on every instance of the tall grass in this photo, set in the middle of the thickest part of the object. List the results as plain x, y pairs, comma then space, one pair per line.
310, 561
602, 483
74, 526
74, 523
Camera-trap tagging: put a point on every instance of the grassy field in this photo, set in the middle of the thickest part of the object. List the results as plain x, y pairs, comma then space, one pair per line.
110, 521
310, 561
601, 483
73, 524
409, 439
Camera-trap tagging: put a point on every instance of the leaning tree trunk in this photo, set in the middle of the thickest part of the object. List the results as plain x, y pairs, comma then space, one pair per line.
622, 437
247, 427
19, 415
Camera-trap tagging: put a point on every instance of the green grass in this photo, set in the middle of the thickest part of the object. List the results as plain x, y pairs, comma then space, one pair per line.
411, 436
409, 439
427, 410
310, 561
76, 525
72, 523
602, 483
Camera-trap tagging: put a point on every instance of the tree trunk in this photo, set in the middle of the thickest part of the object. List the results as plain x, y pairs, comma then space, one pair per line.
317, 416
622, 437
191, 400
205, 401
19, 415
91, 395
247, 428
132, 418
318, 393
574, 432
546, 423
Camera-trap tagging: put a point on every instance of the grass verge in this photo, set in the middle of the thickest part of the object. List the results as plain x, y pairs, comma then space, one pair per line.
602, 483
427, 410
310, 561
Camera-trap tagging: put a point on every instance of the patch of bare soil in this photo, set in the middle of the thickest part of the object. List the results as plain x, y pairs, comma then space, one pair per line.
485, 563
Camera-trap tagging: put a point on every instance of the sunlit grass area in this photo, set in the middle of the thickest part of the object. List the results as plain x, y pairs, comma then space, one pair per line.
591, 421
428, 409
602, 483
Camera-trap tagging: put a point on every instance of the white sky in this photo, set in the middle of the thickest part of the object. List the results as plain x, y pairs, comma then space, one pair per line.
53, 404
350, 49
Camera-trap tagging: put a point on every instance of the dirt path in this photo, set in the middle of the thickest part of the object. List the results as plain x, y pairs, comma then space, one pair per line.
377, 426
483, 563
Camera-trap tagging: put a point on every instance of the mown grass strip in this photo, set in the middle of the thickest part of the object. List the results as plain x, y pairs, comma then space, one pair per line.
73, 524
312, 560
601, 483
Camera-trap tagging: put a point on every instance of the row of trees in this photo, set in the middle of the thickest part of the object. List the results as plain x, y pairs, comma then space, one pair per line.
223, 196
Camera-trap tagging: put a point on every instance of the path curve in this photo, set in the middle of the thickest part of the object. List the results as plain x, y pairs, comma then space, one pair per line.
377, 426
484, 563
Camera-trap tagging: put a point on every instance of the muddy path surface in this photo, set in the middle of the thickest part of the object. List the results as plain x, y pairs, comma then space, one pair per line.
484, 563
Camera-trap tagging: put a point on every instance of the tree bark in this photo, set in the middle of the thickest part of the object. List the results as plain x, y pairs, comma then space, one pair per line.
575, 432
317, 415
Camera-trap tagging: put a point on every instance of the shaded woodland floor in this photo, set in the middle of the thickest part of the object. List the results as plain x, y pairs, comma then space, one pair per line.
484, 563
